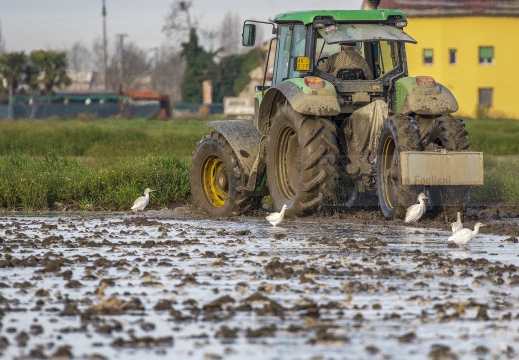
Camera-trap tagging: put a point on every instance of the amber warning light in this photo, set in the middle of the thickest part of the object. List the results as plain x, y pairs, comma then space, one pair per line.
425, 81
314, 82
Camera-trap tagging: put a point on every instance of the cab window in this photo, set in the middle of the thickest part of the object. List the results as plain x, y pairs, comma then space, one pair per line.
324, 50
282, 54
291, 43
382, 56
299, 48
387, 57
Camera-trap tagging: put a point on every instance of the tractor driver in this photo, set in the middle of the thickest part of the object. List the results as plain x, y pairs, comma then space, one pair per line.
347, 58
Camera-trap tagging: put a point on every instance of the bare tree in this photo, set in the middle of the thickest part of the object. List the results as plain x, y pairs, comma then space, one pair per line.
168, 72
98, 61
210, 36
230, 31
136, 66
79, 57
97, 53
179, 22
170, 68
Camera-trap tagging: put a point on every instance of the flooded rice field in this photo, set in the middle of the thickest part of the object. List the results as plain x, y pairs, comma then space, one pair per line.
170, 286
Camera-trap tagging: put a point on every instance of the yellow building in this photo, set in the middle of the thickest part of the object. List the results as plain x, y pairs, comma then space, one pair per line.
470, 46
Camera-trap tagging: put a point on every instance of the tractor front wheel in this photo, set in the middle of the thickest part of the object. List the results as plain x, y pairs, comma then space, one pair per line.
216, 177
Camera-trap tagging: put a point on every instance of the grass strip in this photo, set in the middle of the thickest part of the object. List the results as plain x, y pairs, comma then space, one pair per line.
106, 164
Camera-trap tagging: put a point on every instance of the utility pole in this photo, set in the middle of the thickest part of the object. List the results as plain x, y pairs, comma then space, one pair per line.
104, 47
120, 65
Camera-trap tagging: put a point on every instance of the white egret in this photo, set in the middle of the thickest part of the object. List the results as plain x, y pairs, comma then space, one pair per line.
142, 201
463, 236
415, 212
276, 218
457, 225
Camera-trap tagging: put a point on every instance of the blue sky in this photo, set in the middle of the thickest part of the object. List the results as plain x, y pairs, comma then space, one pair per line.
56, 24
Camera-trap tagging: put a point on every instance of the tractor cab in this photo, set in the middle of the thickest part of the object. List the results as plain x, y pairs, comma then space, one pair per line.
306, 41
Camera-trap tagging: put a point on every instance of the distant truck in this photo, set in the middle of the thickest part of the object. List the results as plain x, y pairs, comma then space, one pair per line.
323, 141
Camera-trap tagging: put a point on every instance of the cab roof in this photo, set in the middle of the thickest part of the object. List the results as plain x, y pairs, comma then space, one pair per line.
307, 17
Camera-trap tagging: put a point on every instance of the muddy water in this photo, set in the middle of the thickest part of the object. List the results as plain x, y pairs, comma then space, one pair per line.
118, 286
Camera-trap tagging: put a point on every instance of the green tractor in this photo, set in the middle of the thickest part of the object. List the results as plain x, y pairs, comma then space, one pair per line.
323, 140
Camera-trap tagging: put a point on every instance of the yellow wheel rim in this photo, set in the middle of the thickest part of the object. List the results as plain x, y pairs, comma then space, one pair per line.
215, 181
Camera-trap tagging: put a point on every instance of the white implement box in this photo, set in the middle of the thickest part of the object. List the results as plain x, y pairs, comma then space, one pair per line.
441, 168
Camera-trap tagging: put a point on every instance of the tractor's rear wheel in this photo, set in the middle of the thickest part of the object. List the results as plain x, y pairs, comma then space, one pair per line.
301, 161
398, 133
216, 177
449, 133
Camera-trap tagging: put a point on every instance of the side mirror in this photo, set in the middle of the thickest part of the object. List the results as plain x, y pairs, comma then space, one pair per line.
249, 35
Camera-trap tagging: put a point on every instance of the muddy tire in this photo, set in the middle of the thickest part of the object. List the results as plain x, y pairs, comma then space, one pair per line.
398, 133
216, 179
449, 133
301, 161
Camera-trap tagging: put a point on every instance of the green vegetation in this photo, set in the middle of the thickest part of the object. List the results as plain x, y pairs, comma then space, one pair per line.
30, 183
231, 75
497, 139
198, 61
106, 164
46, 69
501, 181
101, 142
494, 137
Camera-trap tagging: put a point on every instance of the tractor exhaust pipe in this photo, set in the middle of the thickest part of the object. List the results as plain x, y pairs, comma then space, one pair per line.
374, 3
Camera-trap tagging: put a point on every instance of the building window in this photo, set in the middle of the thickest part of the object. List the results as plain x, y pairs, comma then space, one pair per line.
486, 54
453, 56
485, 97
427, 56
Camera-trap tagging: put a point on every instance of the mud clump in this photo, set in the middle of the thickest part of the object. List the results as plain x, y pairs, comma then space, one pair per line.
264, 331
143, 342
172, 285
